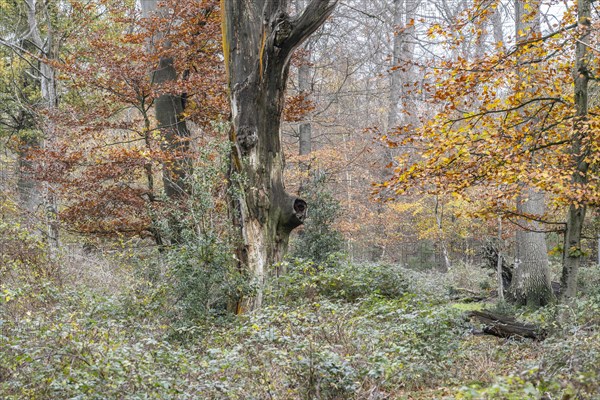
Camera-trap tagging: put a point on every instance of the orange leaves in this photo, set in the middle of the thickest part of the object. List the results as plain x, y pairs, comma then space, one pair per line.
501, 121
108, 157
296, 107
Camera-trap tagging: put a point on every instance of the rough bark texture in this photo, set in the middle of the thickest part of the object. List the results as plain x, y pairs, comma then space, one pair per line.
531, 277
576, 214
258, 40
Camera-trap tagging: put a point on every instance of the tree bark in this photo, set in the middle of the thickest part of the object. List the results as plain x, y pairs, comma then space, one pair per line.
530, 283
305, 134
579, 151
169, 108
33, 193
531, 277
439, 215
258, 40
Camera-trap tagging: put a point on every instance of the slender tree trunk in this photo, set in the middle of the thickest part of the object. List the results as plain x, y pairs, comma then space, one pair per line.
497, 27
305, 126
579, 151
442, 239
395, 72
35, 192
499, 271
258, 40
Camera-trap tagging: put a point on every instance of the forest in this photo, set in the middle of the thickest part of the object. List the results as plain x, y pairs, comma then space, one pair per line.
299, 199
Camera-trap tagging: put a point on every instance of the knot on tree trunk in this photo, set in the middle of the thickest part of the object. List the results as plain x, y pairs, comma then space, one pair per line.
247, 137
282, 28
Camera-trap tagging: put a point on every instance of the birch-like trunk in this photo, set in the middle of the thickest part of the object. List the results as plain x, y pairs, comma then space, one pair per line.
35, 195
258, 40
304, 86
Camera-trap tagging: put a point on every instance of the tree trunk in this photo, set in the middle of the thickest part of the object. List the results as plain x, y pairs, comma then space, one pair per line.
32, 191
258, 40
499, 263
447, 265
530, 283
395, 72
531, 277
169, 108
579, 151
505, 326
305, 126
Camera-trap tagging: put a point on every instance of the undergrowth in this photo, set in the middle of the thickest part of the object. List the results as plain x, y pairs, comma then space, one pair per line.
335, 330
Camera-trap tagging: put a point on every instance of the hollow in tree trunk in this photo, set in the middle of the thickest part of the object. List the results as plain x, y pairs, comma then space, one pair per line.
258, 40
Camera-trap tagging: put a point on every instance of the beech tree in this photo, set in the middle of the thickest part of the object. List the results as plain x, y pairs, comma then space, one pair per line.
513, 123
531, 277
259, 38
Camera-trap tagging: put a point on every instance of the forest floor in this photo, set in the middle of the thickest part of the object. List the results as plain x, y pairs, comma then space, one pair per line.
97, 328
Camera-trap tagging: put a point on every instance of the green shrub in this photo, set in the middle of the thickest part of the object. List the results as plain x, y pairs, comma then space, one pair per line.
339, 279
318, 239
199, 266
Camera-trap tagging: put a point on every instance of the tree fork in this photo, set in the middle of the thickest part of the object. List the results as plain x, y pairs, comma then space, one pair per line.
258, 40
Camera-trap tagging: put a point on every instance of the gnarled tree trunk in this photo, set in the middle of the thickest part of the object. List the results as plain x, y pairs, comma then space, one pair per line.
258, 39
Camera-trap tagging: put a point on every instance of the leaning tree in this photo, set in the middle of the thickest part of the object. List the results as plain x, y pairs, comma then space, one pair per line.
259, 38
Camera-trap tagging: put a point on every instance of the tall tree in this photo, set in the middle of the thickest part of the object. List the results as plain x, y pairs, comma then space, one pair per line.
529, 132
42, 36
531, 278
580, 151
169, 107
258, 40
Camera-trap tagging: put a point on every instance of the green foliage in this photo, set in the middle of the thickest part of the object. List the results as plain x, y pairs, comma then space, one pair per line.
339, 279
331, 331
589, 280
200, 265
318, 239
82, 348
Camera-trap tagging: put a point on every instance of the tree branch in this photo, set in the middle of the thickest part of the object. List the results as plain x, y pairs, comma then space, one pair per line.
313, 16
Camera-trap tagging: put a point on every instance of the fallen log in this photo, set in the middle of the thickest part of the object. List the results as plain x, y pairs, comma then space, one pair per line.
505, 326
